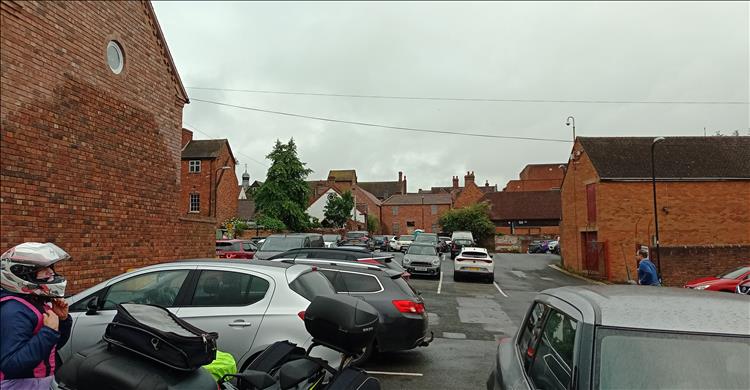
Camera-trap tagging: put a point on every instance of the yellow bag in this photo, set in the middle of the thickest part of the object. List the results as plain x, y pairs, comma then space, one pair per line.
222, 365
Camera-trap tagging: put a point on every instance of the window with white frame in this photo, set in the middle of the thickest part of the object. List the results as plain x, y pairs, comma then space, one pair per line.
195, 203
395, 210
194, 166
434, 209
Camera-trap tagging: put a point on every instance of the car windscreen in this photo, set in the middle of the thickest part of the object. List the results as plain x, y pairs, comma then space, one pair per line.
406, 238
461, 242
425, 238
311, 285
355, 235
734, 274
331, 237
280, 244
421, 250
634, 359
228, 246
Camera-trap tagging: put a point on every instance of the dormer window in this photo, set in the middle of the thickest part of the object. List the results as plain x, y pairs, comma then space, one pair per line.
194, 166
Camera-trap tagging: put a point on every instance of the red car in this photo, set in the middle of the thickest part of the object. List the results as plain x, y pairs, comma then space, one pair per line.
725, 282
235, 249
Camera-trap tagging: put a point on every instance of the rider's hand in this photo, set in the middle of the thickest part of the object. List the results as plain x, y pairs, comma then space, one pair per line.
60, 307
51, 320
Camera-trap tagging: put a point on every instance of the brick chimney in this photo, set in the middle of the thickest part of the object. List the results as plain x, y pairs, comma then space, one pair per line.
455, 182
403, 188
187, 136
469, 178
401, 182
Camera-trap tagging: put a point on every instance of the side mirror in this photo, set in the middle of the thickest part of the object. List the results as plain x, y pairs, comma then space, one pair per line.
92, 306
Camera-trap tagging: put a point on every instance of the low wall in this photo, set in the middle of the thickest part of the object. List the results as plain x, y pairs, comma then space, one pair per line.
683, 263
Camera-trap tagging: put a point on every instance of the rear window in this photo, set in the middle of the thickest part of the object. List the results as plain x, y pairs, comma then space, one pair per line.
478, 255
331, 237
361, 283
312, 284
281, 244
355, 235
405, 287
228, 246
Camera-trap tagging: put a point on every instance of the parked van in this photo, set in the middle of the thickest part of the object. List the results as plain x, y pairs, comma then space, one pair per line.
462, 235
278, 243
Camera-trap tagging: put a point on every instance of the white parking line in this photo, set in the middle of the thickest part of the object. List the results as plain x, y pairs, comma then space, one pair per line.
395, 373
440, 283
500, 289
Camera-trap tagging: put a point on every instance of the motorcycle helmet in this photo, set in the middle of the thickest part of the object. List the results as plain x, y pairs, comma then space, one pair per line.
19, 266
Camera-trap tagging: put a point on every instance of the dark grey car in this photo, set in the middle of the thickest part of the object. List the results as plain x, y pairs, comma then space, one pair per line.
628, 337
422, 259
277, 243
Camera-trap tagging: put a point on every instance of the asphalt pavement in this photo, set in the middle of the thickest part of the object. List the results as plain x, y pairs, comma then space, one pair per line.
468, 318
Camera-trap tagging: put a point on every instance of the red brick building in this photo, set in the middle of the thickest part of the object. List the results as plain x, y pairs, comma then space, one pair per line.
367, 203
531, 213
469, 194
402, 214
703, 201
538, 177
209, 184
91, 113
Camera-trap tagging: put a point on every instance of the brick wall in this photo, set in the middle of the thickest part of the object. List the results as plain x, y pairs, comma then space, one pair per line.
91, 159
684, 263
411, 213
469, 195
202, 183
532, 185
227, 190
198, 183
697, 213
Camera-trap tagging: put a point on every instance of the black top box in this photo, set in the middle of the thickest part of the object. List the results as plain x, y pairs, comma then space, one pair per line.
340, 322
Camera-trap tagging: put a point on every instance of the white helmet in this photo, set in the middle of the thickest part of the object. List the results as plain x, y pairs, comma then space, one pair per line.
20, 264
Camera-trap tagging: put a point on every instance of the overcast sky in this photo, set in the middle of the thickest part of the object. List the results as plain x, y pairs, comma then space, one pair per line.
640, 51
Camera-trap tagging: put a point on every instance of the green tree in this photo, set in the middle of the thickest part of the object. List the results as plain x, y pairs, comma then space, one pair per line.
283, 196
338, 209
373, 224
474, 218
270, 223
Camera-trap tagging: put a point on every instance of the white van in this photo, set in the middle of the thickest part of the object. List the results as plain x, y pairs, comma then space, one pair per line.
462, 235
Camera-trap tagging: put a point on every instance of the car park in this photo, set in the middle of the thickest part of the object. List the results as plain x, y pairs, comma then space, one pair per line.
331, 240
380, 242
403, 323
474, 262
622, 337
726, 282
235, 249
458, 244
249, 304
278, 243
402, 242
422, 259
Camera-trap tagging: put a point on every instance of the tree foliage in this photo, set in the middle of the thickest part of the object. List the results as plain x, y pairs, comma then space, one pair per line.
338, 209
373, 224
270, 223
283, 196
474, 218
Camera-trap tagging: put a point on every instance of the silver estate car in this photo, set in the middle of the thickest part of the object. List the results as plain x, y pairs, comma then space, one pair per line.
250, 304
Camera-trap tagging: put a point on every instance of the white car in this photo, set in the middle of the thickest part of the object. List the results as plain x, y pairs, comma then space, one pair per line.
474, 261
401, 243
249, 304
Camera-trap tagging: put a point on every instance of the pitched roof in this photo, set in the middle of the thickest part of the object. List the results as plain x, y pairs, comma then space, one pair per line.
542, 171
415, 199
524, 205
381, 189
165, 51
488, 189
343, 174
676, 158
205, 148
369, 195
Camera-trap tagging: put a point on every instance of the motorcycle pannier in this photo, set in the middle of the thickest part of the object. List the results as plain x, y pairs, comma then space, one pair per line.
156, 333
341, 322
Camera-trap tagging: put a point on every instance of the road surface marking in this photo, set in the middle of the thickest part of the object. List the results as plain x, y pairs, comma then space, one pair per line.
449, 335
520, 274
500, 289
394, 373
545, 278
440, 283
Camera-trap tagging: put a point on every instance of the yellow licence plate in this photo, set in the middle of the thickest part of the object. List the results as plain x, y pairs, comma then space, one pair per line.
474, 269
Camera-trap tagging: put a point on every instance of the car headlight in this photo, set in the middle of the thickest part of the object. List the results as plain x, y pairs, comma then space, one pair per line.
436, 262
407, 260
702, 287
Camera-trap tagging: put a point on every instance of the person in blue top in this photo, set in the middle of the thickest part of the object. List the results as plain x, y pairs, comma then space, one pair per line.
647, 275
34, 319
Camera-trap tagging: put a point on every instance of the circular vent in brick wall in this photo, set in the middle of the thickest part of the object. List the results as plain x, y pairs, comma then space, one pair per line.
115, 58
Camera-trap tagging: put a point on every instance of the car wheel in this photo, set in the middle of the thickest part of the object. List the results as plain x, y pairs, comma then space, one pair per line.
456, 277
491, 279
366, 355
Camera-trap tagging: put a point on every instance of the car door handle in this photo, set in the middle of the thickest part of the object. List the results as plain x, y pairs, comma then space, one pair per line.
240, 324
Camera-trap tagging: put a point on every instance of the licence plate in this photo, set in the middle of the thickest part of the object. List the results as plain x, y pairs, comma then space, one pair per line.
474, 269
423, 269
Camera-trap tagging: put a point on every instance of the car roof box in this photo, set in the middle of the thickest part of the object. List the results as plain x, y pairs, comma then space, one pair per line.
343, 323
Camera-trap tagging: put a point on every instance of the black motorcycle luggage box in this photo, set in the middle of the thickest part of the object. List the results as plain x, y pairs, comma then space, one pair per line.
341, 322
109, 367
156, 333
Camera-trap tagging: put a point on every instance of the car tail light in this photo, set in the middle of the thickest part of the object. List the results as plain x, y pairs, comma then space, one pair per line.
405, 306
369, 261
489, 261
301, 315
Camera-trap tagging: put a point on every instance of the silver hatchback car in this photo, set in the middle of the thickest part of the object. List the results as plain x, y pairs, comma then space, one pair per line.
249, 304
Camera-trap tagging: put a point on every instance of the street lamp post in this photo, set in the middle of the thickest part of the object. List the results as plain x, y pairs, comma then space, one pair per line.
571, 120
216, 187
656, 213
